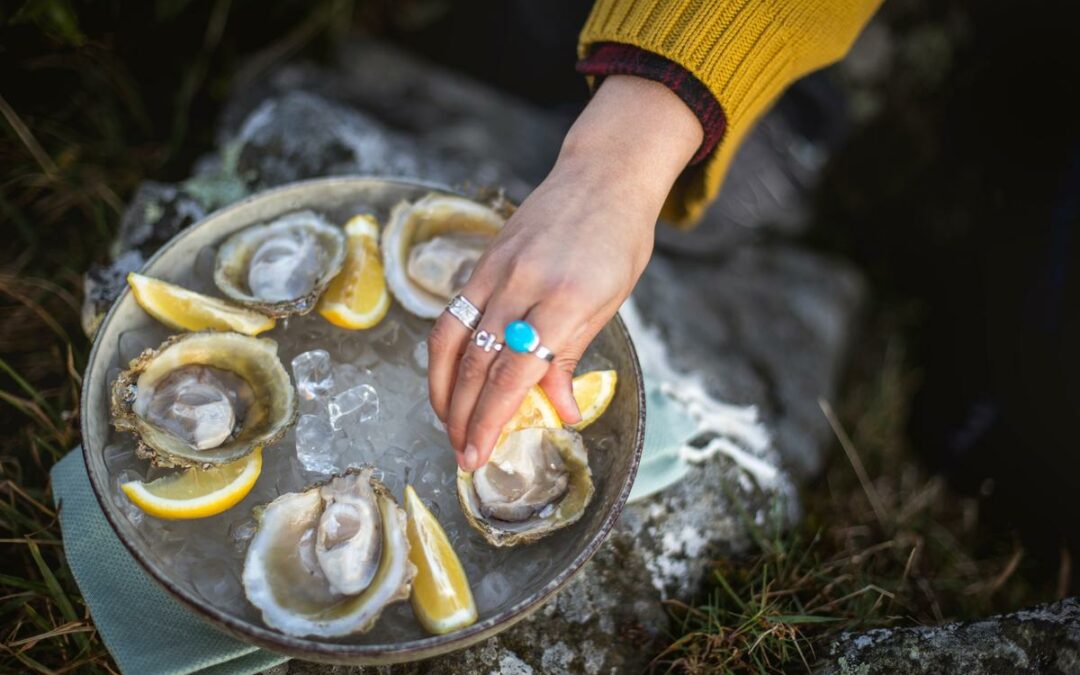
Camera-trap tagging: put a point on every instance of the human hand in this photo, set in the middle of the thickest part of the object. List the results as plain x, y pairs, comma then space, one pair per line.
564, 262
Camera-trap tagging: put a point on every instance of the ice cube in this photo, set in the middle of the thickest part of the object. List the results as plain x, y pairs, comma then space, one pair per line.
347, 376
387, 333
242, 532
493, 590
314, 374
354, 349
132, 512
288, 475
314, 443
425, 426
120, 456
358, 404
354, 452
420, 357
216, 580
430, 476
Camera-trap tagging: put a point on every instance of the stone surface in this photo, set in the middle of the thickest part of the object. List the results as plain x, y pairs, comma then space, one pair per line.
156, 213
1043, 639
768, 326
765, 326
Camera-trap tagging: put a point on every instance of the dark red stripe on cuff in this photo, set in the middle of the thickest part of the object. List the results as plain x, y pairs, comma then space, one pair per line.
614, 58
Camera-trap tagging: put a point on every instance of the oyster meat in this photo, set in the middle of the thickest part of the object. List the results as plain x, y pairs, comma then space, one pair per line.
430, 248
326, 561
282, 267
204, 398
537, 481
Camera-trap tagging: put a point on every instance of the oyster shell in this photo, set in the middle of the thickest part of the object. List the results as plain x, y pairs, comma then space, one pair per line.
204, 398
327, 560
537, 481
431, 246
282, 267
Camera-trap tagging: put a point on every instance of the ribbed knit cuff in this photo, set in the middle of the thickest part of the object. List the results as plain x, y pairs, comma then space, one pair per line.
737, 47
609, 58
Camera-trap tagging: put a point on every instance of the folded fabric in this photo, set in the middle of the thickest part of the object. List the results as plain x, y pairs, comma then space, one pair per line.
144, 628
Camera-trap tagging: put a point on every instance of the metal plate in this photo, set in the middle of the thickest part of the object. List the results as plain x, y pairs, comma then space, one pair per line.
569, 549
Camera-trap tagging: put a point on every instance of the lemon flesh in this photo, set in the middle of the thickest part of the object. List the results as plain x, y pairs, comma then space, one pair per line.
197, 493
535, 411
357, 297
593, 393
441, 597
182, 309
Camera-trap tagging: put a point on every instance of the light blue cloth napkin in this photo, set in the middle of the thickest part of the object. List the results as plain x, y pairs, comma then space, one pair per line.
150, 633
145, 629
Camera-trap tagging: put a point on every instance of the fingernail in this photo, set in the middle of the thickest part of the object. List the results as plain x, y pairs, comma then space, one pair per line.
460, 457
472, 456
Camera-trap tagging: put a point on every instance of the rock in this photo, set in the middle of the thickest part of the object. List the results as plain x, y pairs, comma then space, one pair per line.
1043, 639
769, 326
156, 214
102, 284
764, 194
472, 132
300, 135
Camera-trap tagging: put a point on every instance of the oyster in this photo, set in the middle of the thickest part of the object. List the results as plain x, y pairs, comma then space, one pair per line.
282, 267
204, 398
430, 248
327, 560
537, 481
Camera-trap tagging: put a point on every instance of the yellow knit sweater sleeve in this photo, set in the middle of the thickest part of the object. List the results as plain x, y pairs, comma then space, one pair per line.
745, 51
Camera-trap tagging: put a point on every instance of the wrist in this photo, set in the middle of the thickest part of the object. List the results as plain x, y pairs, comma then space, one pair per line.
635, 132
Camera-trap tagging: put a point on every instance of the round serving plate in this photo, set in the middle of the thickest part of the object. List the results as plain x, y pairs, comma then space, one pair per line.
614, 465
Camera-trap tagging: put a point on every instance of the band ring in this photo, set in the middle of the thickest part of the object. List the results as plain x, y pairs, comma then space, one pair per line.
464, 311
522, 338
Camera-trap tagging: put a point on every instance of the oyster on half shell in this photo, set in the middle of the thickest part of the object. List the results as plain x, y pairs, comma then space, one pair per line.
327, 560
282, 267
205, 398
431, 246
536, 481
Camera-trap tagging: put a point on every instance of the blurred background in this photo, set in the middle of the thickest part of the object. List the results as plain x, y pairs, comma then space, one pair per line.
941, 160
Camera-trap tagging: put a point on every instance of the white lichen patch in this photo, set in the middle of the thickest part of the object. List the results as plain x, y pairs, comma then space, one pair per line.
557, 659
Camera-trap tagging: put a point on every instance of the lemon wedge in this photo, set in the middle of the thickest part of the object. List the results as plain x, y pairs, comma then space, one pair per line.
197, 493
441, 597
182, 309
357, 297
593, 392
535, 411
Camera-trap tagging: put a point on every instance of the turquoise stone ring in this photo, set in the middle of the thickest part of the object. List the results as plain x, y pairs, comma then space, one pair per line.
522, 338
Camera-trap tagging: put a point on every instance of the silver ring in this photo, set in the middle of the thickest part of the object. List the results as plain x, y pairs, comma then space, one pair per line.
487, 341
464, 311
543, 352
